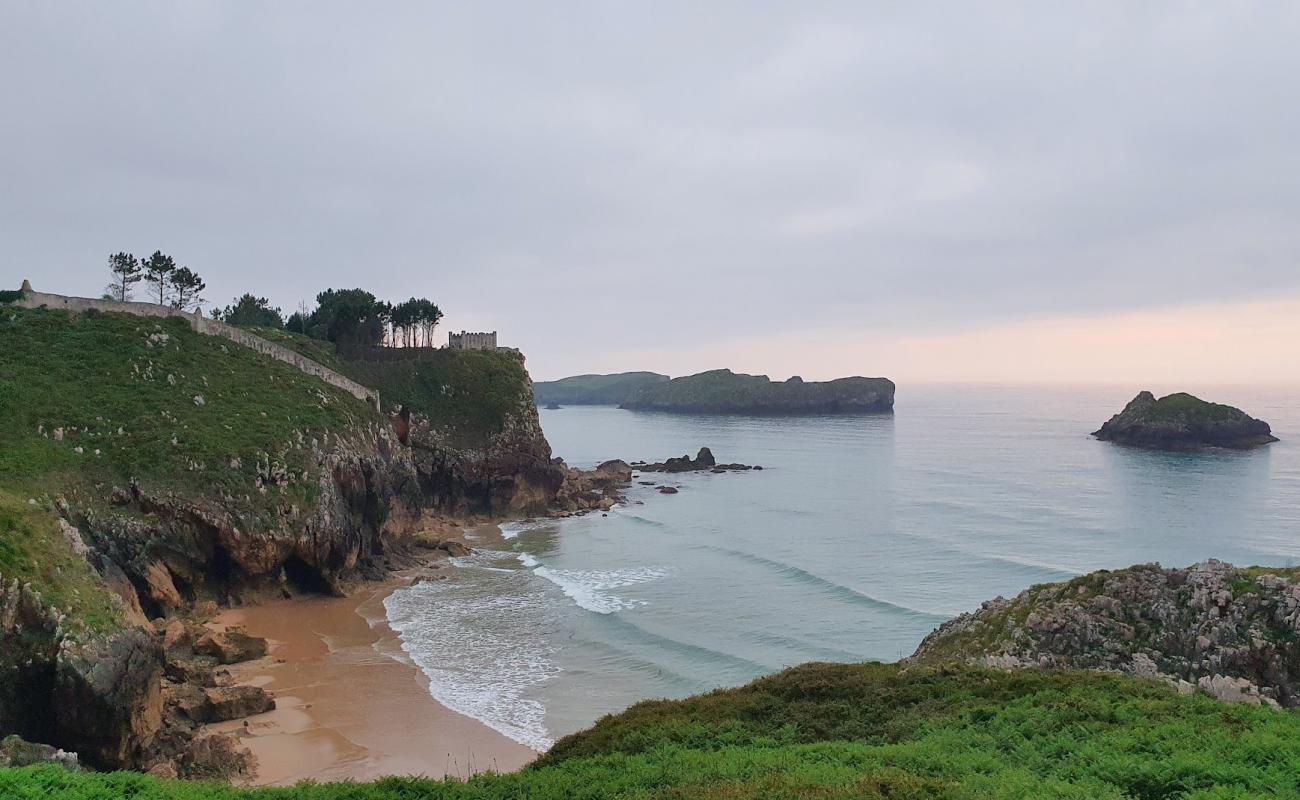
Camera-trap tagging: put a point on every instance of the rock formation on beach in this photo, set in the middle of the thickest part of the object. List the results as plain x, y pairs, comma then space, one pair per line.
1183, 422
725, 392
1233, 632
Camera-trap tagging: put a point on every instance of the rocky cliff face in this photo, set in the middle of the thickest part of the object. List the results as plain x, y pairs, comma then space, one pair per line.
509, 474
1183, 422
188, 471
1233, 632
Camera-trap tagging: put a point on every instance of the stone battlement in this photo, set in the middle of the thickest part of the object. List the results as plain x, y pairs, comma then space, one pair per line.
201, 324
472, 341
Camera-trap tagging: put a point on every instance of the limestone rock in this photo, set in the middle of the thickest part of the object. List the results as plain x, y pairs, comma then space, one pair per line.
230, 646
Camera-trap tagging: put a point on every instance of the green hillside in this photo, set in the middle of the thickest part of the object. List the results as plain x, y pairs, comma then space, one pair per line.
853, 731
595, 389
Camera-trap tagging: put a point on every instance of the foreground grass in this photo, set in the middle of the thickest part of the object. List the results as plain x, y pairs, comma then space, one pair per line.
854, 731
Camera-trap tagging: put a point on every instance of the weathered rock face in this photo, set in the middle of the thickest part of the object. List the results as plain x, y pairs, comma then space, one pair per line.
509, 473
598, 489
29, 649
1232, 632
107, 698
16, 752
1183, 422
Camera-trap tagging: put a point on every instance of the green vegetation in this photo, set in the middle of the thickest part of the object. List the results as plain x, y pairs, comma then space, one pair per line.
108, 398
854, 731
466, 394
33, 549
1183, 407
723, 391
248, 311
595, 389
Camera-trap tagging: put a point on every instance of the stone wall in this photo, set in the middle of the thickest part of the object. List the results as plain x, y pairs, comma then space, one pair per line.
201, 324
472, 341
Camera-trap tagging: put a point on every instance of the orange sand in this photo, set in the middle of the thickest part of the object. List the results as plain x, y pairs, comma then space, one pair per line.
349, 703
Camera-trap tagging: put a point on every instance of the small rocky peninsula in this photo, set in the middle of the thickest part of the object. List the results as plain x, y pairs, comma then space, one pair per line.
1183, 422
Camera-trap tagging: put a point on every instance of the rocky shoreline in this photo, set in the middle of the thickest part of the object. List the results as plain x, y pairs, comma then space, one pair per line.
1232, 632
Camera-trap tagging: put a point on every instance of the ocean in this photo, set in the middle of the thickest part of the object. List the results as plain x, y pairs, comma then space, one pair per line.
861, 535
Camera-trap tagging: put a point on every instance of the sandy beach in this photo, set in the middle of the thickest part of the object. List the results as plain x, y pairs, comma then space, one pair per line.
349, 704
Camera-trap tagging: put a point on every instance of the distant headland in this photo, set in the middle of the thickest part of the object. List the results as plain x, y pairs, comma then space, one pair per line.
722, 391
595, 390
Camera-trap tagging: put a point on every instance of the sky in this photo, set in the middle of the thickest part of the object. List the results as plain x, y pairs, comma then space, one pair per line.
1008, 192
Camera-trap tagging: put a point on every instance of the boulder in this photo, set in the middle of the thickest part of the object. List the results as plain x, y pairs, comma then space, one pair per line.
667, 490
237, 702
230, 646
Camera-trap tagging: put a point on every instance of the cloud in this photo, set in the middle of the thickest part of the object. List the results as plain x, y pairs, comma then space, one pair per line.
672, 171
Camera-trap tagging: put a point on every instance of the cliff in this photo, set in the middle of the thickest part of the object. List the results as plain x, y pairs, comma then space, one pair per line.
725, 392
1183, 422
1229, 631
177, 468
608, 390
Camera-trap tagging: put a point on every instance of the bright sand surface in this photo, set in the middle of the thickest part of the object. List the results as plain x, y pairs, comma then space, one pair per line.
349, 703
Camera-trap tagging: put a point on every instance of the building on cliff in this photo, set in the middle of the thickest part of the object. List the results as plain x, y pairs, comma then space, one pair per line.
472, 341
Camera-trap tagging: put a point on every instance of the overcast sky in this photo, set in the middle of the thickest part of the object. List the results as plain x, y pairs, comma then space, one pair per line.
1003, 191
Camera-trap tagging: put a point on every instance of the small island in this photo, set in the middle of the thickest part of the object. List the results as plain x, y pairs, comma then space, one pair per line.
722, 391
1183, 422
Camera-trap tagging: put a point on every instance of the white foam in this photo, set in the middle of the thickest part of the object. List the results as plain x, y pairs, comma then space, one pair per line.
510, 530
527, 560
590, 589
481, 649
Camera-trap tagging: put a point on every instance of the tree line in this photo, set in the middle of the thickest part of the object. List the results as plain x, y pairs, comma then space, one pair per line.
170, 284
352, 317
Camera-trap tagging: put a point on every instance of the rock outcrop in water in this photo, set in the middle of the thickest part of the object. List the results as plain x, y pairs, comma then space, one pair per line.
1229, 631
1183, 422
725, 392
703, 462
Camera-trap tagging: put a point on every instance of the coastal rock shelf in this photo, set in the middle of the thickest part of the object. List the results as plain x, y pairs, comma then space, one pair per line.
1231, 632
1183, 422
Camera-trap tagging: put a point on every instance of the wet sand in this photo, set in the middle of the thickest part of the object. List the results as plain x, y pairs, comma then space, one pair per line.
349, 704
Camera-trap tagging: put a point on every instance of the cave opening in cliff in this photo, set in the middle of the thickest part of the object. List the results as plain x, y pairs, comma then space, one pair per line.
304, 578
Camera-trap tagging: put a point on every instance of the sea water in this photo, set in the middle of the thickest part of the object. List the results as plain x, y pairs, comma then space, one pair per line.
861, 534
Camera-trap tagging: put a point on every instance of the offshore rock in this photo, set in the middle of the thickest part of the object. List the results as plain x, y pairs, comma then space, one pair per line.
1231, 632
703, 461
1183, 422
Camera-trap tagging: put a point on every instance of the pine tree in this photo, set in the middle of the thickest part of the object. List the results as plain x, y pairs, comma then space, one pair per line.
126, 271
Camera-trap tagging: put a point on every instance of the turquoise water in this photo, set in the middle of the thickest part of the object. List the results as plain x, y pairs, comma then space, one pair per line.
858, 538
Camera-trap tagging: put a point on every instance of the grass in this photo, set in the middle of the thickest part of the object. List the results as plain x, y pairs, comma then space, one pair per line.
32, 549
1181, 406
466, 394
98, 401
149, 399
854, 731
